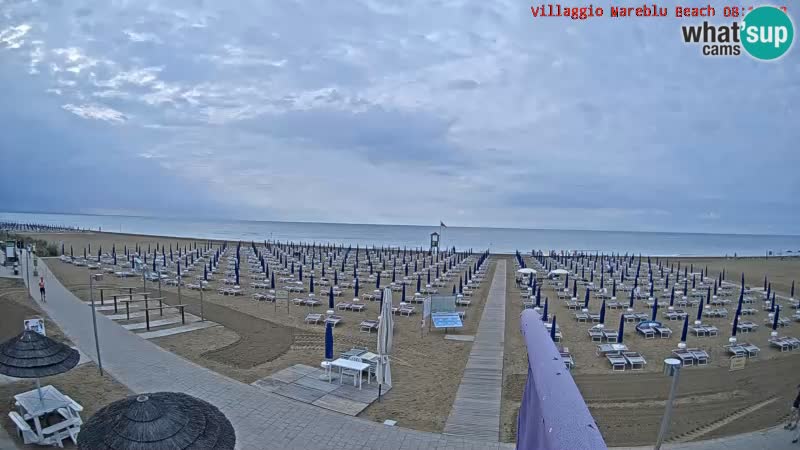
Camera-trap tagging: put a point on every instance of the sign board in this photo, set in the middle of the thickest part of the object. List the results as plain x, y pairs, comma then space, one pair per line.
282, 294
36, 325
443, 303
446, 320
738, 362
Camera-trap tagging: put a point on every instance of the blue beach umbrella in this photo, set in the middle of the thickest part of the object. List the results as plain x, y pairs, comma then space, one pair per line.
566, 281
378, 281
700, 311
575, 289
403, 295
603, 312
429, 276
454, 289
621, 330
772, 304
311, 284
685, 329
735, 325
329, 341
614, 287
272, 281
330, 297
672, 297
544, 316
236, 270
630, 305
539, 296
655, 309
775, 319
553, 329
335, 277
419, 283
300, 273
356, 288
586, 299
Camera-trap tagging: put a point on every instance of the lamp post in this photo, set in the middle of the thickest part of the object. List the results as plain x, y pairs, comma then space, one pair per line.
92, 277
672, 368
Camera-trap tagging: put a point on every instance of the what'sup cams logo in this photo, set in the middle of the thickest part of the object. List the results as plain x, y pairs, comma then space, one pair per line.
766, 33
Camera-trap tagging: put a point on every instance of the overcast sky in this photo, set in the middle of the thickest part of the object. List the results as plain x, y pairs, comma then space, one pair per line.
386, 111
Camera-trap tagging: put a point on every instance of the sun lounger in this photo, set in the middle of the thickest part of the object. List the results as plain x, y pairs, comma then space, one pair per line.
368, 325
407, 310
647, 332
313, 318
636, 360
617, 361
581, 317
664, 332
343, 306
333, 319
358, 307
752, 350
596, 334
611, 336
566, 357
780, 344
700, 356
736, 350
686, 358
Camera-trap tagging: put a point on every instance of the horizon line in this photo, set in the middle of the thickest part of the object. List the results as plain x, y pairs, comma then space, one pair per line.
400, 225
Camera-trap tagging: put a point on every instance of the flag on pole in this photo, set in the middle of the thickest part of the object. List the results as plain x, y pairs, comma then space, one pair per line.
441, 224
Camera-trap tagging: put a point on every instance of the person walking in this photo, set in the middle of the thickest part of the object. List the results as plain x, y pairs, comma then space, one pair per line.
41, 289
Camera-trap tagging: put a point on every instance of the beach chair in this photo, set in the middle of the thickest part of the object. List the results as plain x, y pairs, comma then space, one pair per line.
611, 336
647, 332
581, 317
685, 356
567, 358
407, 310
664, 332
333, 319
701, 356
358, 307
343, 306
313, 318
736, 350
595, 334
792, 341
780, 344
368, 325
636, 360
752, 350
617, 361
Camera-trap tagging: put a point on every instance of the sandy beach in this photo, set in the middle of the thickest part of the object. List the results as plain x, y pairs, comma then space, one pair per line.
628, 406
256, 339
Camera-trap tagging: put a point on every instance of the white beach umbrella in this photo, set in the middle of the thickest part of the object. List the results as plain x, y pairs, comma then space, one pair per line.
385, 332
559, 272
527, 270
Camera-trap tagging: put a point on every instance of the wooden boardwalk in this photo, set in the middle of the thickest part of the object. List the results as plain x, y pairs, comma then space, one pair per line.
476, 409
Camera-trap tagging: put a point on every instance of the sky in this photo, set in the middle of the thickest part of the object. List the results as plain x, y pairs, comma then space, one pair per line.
376, 111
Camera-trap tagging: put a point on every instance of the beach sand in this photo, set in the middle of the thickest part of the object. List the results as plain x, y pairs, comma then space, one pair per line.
257, 339
83, 383
628, 406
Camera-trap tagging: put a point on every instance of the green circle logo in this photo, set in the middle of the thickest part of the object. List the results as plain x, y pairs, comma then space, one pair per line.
767, 33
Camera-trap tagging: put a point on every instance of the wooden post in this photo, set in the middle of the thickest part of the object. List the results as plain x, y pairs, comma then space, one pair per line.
101, 297
161, 305
128, 310
147, 318
115, 304
183, 315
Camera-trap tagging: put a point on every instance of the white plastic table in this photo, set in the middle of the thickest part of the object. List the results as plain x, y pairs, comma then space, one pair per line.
342, 364
32, 406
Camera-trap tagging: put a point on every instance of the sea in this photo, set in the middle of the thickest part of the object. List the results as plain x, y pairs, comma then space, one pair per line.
496, 240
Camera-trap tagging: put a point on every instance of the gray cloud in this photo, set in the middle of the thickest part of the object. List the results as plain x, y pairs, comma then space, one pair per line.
373, 110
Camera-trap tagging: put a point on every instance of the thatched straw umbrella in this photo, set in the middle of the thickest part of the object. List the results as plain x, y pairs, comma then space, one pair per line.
161, 420
32, 355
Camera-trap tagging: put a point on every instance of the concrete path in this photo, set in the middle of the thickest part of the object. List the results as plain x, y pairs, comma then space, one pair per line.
262, 420
476, 409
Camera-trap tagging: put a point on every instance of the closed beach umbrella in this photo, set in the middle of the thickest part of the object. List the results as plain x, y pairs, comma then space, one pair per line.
685, 329
772, 304
330, 297
631, 301
700, 311
335, 277
236, 270
685, 286
792, 294
735, 324
575, 289
385, 333
311, 284
546, 303
614, 287
429, 277
328, 341
419, 283
603, 312
31, 355
621, 330
272, 281
539, 296
454, 289
356, 288
765, 282
655, 309
775, 319
378, 281
159, 420
586, 299
403, 295
553, 329
672, 297
300, 273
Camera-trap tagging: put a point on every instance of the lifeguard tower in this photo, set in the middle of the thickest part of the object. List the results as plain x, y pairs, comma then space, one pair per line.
434, 242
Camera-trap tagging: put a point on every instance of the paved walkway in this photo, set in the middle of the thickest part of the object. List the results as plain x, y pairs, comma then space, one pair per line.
476, 409
262, 420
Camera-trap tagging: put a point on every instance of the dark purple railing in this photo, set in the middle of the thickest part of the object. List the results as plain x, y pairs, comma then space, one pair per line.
553, 415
